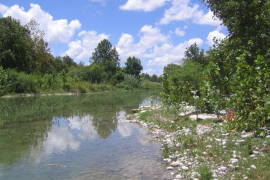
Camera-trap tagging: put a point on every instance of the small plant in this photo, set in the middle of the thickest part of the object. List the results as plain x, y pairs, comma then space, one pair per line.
205, 173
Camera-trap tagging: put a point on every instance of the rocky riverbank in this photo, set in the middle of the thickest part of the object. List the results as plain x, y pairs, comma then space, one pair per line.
205, 149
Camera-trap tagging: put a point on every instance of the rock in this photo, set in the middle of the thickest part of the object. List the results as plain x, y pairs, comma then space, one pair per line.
253, 166
178, 176
184, 167
203, 116
203, 129
247, 135
170, 168
176, 163
234, 160
222, 168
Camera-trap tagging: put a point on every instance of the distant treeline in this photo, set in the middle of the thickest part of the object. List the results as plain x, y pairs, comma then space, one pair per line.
27, 66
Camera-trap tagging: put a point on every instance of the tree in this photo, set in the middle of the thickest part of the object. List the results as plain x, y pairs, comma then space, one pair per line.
69, 61
133, 66
105, 52
194, 53
16, 47
241, 62
106, 56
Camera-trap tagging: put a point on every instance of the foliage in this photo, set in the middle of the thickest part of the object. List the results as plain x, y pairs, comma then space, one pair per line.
105, 52
234, 74
181, 83
133, 66
3, 81
130, 82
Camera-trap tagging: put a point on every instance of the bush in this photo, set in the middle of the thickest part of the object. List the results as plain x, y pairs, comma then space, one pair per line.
130, 82
19, 82
3, 81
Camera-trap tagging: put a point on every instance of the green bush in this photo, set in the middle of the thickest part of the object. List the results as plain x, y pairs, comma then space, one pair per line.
130, 82
20, 82
3, 81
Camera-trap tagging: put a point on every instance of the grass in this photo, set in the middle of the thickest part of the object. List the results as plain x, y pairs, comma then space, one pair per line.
243, 158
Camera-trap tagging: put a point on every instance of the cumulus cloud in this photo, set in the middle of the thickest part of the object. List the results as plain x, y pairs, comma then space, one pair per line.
154, 48
142, 5
179, 32
82, 49
149, 37
60, 30
215, 35
183, 10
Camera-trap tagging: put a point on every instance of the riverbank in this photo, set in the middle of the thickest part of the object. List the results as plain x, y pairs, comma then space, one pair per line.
205, 149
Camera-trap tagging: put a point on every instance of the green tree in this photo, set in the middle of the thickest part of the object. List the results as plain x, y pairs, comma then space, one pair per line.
16, 47
194, 53
133, 66
106, 56
105, 52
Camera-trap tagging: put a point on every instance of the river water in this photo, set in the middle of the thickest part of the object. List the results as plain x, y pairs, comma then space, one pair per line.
82, 137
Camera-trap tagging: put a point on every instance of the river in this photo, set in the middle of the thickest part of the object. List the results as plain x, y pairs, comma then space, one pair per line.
82, 137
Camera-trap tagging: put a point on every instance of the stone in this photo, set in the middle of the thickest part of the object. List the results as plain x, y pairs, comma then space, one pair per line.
176, 163
170, 168
178, 176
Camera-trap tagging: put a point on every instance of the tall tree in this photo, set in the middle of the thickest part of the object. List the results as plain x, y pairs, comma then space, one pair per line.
105, 52
194, 53
16, 47
133, 66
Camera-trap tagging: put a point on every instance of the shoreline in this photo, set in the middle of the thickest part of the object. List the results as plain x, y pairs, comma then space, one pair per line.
64, 93
205, 149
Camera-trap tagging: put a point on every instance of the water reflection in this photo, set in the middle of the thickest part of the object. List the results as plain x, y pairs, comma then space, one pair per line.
123, 127
89, 135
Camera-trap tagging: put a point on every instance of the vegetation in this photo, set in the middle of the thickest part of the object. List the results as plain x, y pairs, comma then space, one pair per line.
27, 66
207, 149
234, 74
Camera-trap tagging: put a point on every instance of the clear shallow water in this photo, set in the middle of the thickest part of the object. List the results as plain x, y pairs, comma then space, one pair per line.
77, 138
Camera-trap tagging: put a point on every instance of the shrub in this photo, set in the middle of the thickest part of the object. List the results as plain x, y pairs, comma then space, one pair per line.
3, 81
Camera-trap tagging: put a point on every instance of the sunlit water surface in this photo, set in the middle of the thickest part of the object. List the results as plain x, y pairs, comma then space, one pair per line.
77, 138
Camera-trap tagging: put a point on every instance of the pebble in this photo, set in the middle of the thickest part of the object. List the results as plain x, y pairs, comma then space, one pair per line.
253, 166
178, 176
175, 163
234, 160
184, 167
170, 168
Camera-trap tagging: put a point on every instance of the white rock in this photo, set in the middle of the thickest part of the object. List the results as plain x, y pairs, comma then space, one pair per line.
184, 167
234, 160
203, 116
178, 176
170, 168
176, 163
253, 166
222, 168
247, 135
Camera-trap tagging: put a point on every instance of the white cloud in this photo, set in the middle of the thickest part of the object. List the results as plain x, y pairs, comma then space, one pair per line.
179, 32
154, 48
82, 49
60, 30
149, 37
3, 8
207, 18
143, 5
215, 35
181, 10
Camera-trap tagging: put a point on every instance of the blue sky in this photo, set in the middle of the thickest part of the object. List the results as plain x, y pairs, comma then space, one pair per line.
156, 31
